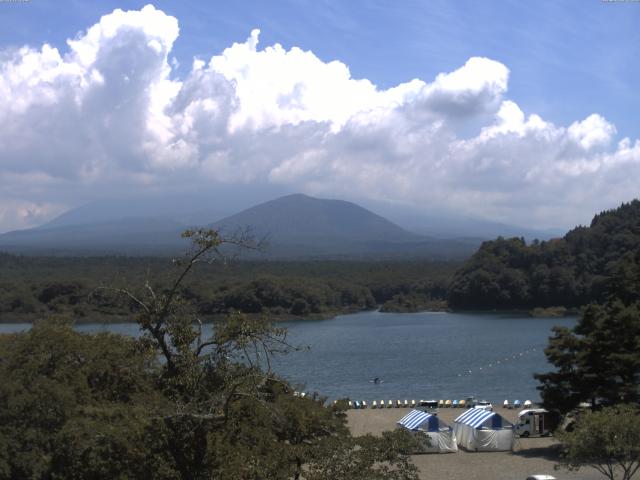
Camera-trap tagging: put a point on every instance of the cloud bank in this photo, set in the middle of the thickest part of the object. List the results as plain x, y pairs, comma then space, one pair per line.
109, 115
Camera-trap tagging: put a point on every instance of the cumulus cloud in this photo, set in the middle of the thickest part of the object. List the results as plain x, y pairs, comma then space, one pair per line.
109, 114
591, 132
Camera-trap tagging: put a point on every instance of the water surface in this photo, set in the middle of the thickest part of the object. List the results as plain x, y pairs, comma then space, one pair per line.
416, 355
421, 355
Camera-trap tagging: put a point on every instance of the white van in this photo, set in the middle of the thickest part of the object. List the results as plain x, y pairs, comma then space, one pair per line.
535, 422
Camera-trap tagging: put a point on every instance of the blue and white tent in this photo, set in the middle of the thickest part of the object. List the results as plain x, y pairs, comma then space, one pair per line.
483, 431
441, 436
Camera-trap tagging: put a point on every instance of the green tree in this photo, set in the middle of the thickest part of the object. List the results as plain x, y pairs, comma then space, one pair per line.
172, 404
597, 361
74, 405
607, 440
571, 271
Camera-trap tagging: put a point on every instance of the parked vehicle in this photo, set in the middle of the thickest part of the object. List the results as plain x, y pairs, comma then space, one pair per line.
429, 404
536, 422
484, 405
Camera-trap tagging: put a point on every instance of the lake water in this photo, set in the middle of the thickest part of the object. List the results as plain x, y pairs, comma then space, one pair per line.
416, 355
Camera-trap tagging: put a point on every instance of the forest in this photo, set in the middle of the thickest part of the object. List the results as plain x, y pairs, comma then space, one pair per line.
504, 274
81, 287
571, 271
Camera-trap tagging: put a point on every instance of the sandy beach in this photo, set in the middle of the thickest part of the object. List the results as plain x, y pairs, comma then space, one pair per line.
530, 456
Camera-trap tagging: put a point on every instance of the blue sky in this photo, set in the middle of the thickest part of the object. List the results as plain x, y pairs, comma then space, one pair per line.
568, 59
565, 60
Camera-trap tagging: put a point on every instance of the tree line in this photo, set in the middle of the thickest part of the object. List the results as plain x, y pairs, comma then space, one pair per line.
33, 287
571, 271
597, 362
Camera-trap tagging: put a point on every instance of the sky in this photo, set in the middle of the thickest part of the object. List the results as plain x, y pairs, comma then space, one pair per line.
519, 112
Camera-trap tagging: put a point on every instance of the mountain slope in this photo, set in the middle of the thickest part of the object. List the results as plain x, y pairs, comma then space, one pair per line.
296, 226
183, 210
570, 271
302, 226
140, 236
300, 218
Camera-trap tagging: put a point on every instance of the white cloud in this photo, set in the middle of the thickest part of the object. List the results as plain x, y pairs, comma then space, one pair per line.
16, 214
109, 115
591, 132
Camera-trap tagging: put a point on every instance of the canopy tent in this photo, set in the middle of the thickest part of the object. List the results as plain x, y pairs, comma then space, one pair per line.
440, 435
483, 431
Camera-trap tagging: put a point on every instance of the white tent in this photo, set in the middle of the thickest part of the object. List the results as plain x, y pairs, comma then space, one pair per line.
426, 425
483, 431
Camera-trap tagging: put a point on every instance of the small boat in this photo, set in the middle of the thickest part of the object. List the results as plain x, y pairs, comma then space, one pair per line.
363, 404
374, 404
461, 404
454, 404
527, 404
413, 404
390, 404
506, 404
406, 403
357, 404
447, 403
398, 403
381, 403
516, 404
441, 403
350, 404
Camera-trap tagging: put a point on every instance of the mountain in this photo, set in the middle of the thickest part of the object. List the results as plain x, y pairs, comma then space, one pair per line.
296, 226
442, 227
182, 209
301, 226
439, 224
299, 218
138, 236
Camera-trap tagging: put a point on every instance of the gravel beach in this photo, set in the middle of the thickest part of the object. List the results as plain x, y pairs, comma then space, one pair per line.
530, 456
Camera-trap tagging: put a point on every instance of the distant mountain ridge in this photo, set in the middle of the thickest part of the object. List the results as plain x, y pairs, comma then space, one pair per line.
296, 225
182, 210
136, 236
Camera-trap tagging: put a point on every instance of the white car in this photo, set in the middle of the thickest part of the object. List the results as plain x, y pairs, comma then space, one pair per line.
484, 405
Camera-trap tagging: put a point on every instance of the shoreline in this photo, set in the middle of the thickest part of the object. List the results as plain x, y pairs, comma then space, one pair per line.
122, 319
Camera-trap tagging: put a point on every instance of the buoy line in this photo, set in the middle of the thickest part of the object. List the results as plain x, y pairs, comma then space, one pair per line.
502, 361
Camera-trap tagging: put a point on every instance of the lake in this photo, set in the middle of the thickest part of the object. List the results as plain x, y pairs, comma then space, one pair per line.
415, 355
